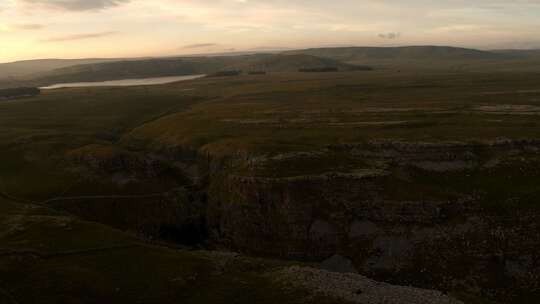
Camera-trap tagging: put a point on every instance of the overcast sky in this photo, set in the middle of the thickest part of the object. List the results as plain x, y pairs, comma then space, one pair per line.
118, 28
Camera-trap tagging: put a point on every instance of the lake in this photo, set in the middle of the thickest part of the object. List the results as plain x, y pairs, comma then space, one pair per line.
123, 82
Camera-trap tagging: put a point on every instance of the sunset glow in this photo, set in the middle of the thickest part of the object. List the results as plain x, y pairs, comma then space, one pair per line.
121, 28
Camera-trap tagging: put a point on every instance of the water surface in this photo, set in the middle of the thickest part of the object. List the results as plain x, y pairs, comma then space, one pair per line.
123, 82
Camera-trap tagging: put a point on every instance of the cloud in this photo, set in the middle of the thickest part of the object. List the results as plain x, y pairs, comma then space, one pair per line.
199, 45
28, 26
390, 36
78, 37
214, 25
77, 5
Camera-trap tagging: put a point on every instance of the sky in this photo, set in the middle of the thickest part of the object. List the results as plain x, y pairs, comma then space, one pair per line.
31, 29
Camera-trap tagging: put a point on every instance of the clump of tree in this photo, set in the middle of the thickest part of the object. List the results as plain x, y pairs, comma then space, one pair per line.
225, 74
257, 73
19, 92
319, 70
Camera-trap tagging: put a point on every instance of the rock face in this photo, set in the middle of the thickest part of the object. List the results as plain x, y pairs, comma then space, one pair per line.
431, 221
147, 194
447, 216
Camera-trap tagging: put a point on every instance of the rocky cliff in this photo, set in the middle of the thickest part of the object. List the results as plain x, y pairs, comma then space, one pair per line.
453, 216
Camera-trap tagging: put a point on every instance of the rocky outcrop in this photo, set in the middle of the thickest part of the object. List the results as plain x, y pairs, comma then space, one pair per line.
177, 215
404, 226
153, 195
448, 216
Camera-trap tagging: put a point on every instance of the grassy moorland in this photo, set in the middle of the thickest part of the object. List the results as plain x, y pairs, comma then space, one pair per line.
63, 143
262, 114
37, 133
297, 111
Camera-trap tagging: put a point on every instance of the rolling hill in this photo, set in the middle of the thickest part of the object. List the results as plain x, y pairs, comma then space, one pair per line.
402, 53
50, 71
26, 68
188, 66
432, 58
528, 54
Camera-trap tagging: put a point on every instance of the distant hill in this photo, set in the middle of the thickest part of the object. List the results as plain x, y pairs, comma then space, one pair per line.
351, 54
28, 68
188, 66
50, 71
431, 58
520, 54
286, 63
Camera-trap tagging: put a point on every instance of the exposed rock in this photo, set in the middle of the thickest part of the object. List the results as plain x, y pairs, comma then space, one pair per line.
444, 240
428, 233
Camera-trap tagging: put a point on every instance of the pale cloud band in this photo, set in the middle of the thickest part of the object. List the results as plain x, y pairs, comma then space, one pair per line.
199, 45
78, 37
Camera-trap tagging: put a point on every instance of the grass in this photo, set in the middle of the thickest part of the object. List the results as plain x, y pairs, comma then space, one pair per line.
73, 261
37, 134
317, 112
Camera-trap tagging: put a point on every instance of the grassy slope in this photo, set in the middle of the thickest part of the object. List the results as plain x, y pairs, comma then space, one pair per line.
37, 133
26, 68
303, 112
47, 257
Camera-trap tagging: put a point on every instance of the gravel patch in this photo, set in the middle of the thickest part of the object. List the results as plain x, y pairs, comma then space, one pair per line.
355, 288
